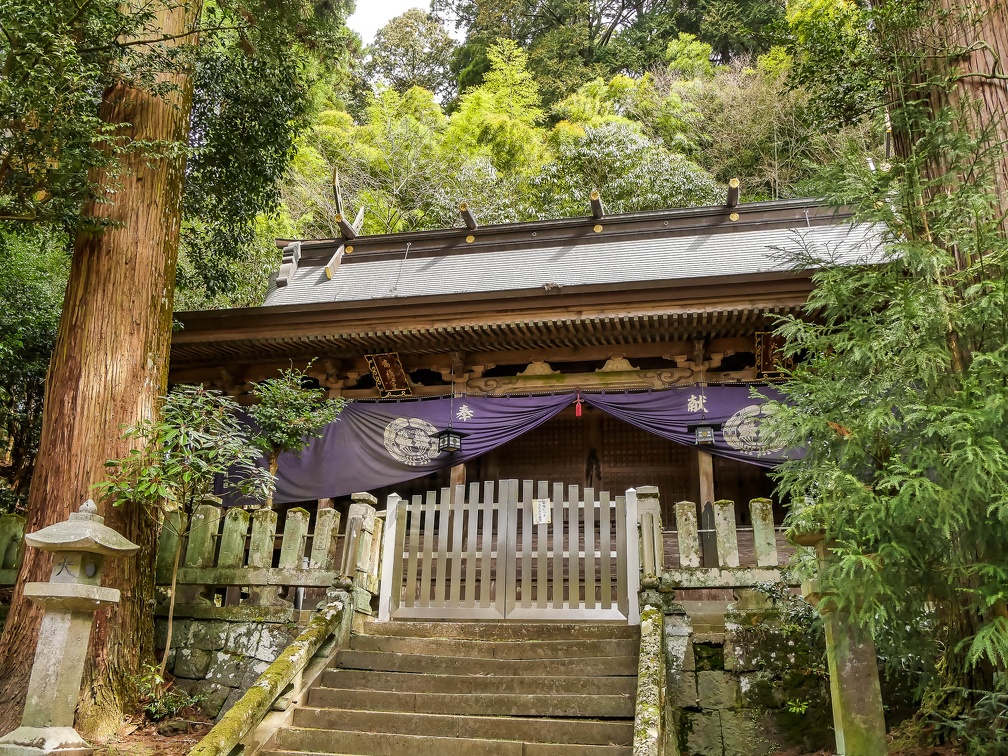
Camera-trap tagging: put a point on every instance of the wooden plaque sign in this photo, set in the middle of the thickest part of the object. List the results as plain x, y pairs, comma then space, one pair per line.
389, 375
770, 362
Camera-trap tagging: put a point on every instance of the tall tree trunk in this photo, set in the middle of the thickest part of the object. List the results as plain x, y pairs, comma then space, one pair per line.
954, 58
957, 57
108, 369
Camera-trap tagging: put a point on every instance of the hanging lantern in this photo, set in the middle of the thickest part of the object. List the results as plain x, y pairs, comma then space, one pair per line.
449, 440
703, 434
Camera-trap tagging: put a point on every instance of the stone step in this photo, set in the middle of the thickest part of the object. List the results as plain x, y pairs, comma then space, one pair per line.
503, 704
564, 631
497, 649
389, 662
544, 729
352, 679
293, 741
472, 689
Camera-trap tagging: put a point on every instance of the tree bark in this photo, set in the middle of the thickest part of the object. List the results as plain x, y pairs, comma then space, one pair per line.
108, 369
958, 57
274, 465
955, 60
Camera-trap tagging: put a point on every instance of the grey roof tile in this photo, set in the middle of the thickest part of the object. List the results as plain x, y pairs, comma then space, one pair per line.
622, 260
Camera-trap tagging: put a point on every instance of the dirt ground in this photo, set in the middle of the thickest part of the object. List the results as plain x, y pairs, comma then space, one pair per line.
145, 740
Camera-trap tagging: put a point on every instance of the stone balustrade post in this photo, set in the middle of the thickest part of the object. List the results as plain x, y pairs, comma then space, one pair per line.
362, 505
70, 599
858, 717
651, 542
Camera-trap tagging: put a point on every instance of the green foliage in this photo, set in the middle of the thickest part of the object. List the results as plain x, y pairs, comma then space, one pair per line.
573, 41
748, 121
631, 171
409, 159
33, 272
392, 163
899, 395
689, 57
197, 442
288, 412
787, 643
797, 706
498, 119
159, 699
55, 59
983, 729
239, 279
836, 61
197, 439
641, 46
741, 27
413, 50
254, 90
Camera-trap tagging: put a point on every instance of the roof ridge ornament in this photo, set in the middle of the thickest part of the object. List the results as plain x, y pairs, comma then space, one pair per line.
289, 263
733, 193
467, 216
349, 234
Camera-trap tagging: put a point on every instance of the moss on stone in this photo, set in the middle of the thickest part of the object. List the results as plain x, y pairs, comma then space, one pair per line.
786, 645
650, 684
709, 656
249, 710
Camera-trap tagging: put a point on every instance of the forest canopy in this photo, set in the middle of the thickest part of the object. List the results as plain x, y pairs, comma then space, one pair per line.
654, 104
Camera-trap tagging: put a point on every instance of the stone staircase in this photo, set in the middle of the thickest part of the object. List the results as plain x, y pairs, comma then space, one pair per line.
445, 688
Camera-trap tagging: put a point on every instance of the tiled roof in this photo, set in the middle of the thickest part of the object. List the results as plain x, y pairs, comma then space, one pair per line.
654, 254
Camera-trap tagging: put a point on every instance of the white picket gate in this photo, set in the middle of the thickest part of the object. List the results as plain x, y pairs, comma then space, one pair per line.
526, 553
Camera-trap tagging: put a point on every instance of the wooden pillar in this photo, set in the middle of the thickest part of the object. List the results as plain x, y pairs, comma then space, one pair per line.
458, 475
705, 464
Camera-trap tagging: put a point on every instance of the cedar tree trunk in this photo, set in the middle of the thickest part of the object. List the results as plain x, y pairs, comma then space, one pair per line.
959, 57
956, 59
108, 369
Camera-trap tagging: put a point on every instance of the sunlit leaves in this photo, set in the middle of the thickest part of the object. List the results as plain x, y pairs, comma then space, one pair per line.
288, 412
631, 171
196, 440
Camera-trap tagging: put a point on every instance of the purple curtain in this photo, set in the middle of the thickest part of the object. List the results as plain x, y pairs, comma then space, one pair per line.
675, 413
377, 444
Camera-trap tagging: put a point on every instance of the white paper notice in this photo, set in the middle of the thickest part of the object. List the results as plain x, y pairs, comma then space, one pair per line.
542, 510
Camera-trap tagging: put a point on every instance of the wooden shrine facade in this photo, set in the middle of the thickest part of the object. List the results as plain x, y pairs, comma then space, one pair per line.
624, 302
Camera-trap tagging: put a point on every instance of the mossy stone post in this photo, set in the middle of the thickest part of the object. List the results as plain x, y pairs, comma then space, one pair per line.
686, 531
858, 717
725, 533
362, 505
70, 600
652, 546
11, 542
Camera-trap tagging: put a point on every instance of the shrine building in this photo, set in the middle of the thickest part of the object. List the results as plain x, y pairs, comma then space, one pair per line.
606, 351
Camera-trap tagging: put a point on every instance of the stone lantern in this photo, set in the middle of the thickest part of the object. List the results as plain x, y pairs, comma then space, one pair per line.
70, 599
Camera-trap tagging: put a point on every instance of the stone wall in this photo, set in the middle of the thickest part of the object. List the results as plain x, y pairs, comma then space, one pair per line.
219, 659
755, 688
